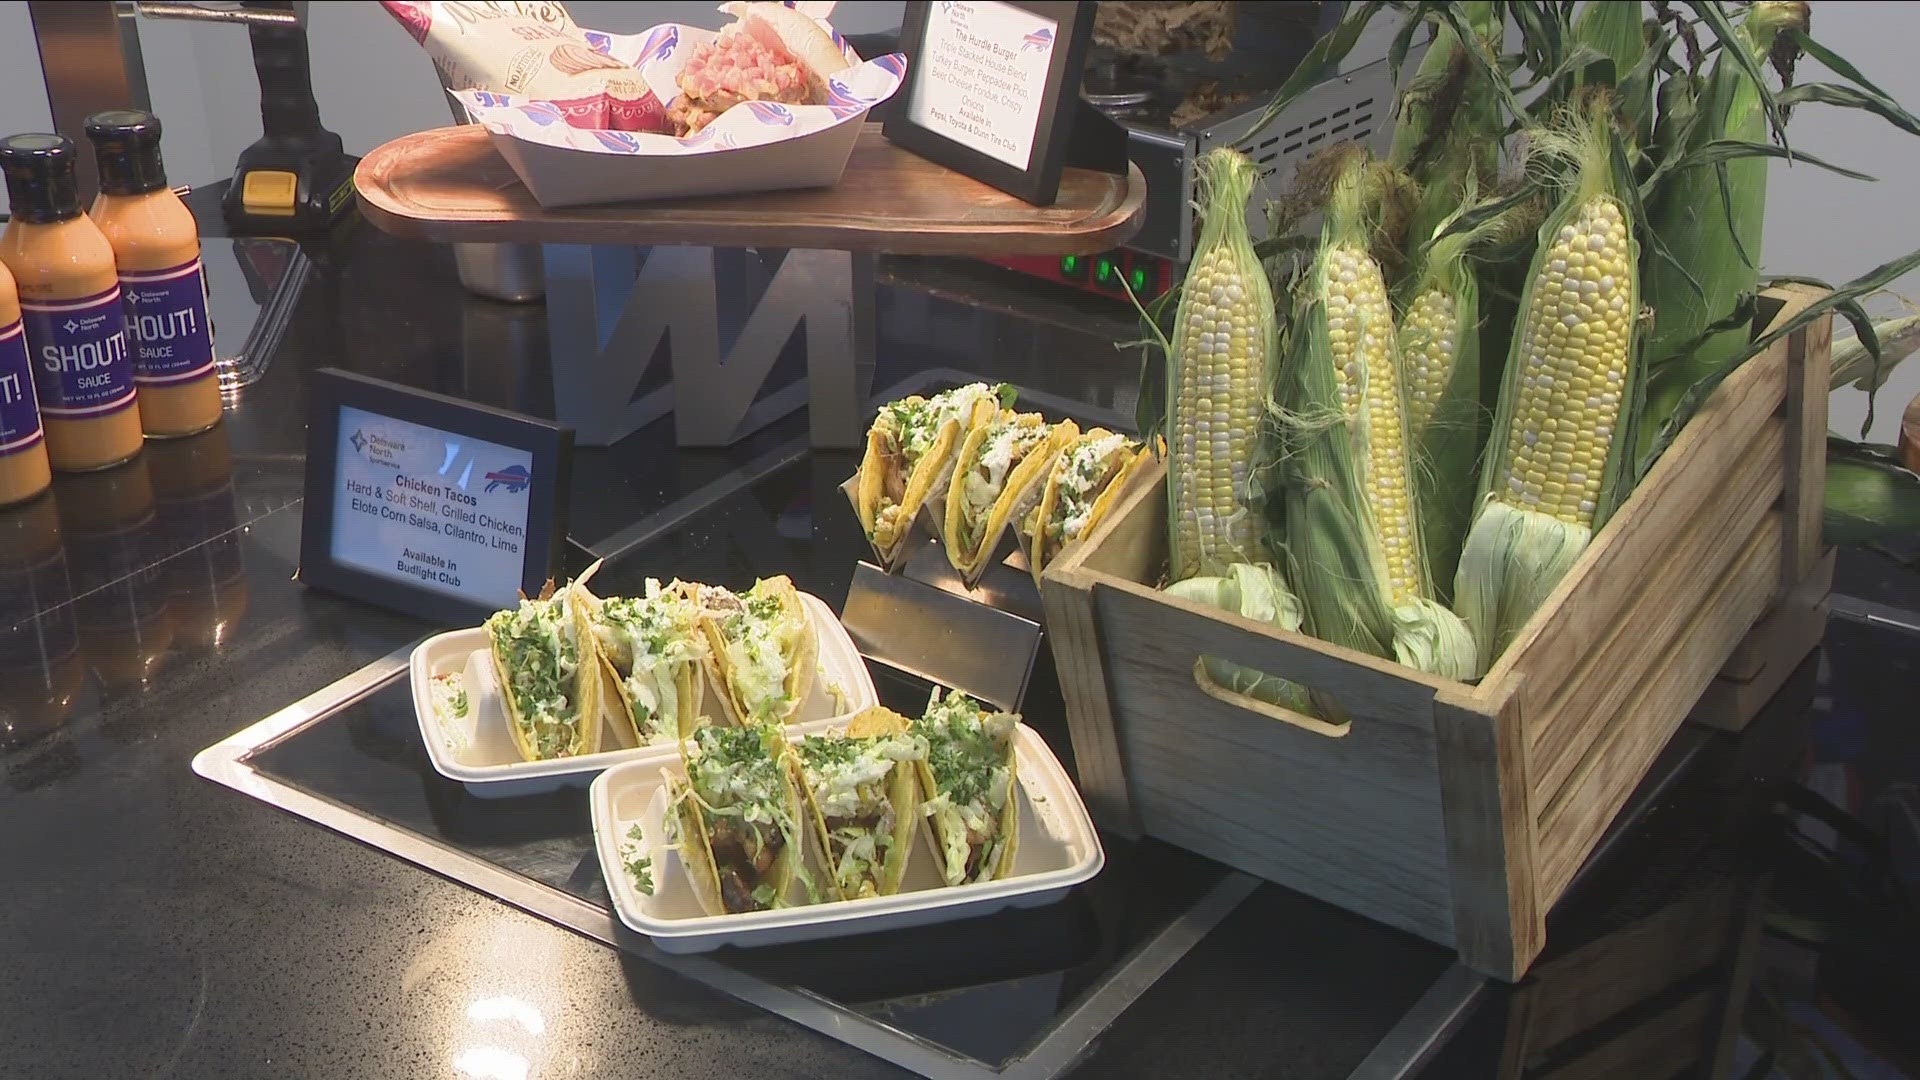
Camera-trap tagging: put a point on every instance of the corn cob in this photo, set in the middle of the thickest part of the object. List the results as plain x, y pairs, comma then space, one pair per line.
1352, 526
1219, 367
1440, 364
1715, 238
1554, 457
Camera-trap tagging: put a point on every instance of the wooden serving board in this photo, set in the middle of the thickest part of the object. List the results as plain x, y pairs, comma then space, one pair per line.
449, 184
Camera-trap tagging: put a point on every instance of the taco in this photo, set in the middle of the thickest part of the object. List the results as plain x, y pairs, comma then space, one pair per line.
1084, 482
544, 660
997, 477
735, 819
649, 651
971, 807
910, 453
862, 793
762, 648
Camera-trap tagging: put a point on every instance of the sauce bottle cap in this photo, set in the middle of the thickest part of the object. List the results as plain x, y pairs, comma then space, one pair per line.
39, 172
126, 142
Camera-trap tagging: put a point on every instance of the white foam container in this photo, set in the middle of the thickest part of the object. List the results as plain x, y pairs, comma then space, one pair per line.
481, 754
1058, 850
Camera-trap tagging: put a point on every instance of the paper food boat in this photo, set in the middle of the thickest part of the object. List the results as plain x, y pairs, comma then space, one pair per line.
754, 146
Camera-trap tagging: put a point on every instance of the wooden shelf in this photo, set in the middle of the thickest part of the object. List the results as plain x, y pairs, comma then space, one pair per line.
449, 184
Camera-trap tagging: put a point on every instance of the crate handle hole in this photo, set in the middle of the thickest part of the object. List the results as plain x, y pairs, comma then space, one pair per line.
1238, 700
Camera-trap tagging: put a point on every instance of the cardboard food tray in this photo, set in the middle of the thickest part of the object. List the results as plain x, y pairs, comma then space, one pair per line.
1058, 850
754, 146
485, 760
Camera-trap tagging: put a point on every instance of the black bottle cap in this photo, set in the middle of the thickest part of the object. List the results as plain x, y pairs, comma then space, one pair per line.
126, 142
39, 172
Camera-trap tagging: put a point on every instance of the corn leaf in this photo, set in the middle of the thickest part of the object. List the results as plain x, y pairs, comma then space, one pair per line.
1487, 63
1849, 97
1630, 193
1313, 67
1721, 151
1833, 62
1714, 15
1854, 364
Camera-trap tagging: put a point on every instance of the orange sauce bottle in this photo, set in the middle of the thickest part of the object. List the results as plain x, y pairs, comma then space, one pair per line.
156, 246
70, 302
23, 446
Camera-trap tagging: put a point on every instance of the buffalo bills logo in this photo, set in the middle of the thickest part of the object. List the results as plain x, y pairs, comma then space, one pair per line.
599, 42
771, 113
1040, 40
659, 44
845, 111
542, 113
490, 100
894, 64
700, 138
514, 478
617, 141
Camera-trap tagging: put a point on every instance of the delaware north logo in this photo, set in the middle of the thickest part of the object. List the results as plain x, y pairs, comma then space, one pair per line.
359, 441
513, 478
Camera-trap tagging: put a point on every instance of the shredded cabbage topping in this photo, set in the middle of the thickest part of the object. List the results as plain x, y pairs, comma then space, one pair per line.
848, 781
761, 638
985, 476
650, 641
911, 426
1078, 474
970, 752
542, 660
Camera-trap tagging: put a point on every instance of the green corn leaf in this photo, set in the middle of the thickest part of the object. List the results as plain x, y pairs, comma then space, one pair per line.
1848, 97
1630, 192
1689, 403
1833, 62
1725, 185
1714, 15
1487, 63
1721, 151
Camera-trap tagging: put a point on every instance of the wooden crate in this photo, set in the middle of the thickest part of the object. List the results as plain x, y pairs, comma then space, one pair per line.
1457, 812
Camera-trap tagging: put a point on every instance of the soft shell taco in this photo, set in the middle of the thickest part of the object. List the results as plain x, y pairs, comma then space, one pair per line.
549, 675
649, 649
972, 806
762, 649
1083, 483
910, 454
736, 818
862, 793
997, 477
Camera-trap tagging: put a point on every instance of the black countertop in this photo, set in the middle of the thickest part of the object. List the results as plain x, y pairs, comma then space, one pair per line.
158, 925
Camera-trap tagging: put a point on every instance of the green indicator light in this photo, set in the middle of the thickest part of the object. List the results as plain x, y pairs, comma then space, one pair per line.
1070, 265
1103, 271
1137, 279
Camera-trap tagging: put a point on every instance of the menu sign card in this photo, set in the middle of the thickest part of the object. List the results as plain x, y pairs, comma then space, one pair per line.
429, 504
993, 89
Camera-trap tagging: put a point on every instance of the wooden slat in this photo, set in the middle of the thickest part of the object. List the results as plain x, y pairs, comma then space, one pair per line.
1074, 632
1355, 820
1667, 1044
1666, 503
1571, 825
451, 185
1803, 500
1587, 705
1499, 925
1770, 652
1130, 542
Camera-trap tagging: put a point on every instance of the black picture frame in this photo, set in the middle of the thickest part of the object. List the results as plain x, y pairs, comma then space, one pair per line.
1039, 182
550, 446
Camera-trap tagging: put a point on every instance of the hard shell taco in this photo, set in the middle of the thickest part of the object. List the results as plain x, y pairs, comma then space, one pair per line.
649, 651
862, 793
762, 649
997, 477
1083, 483
736, 819
972, 805
545, 662
910, 454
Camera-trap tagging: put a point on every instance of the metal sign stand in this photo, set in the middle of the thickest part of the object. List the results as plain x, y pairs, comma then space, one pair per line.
924, 621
